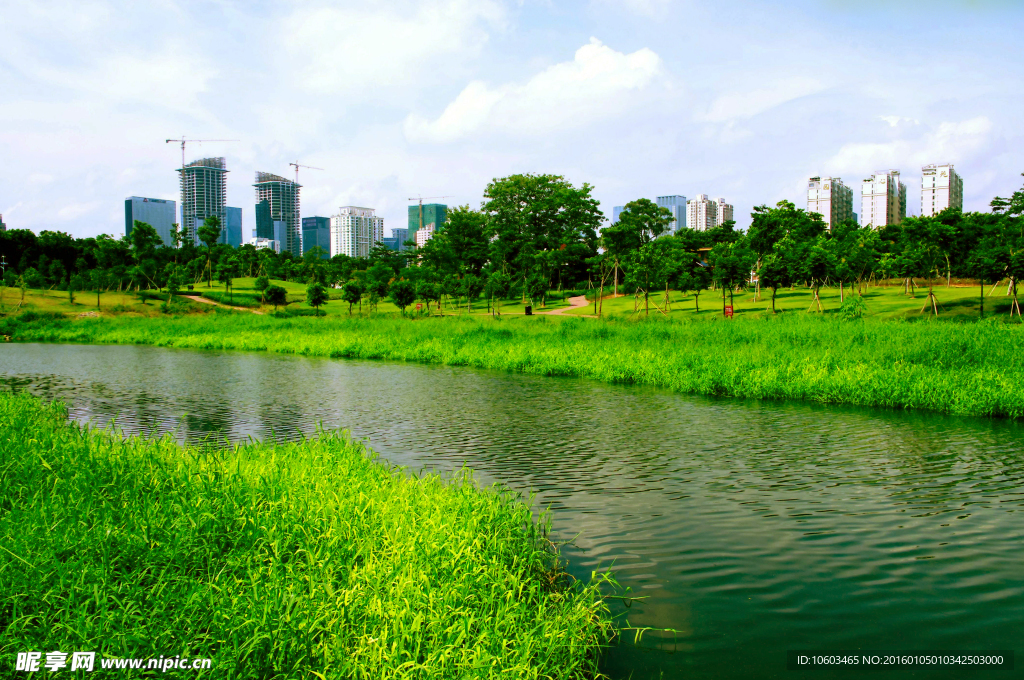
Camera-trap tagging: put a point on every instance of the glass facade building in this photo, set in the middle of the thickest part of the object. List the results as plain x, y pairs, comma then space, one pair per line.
677, 205
425, 219
316, 231
156, 212
231, 234
282, 198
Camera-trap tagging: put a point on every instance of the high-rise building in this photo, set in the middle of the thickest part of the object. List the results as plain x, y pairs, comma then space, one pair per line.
265, 243
941, 188
316, 231
723, 212
616, 212
831, 199
355, 230
203, 194
400, 236
701, 213
3, 227
156, 212
231, 234
426, 218
282, 197
883, 199
677, 204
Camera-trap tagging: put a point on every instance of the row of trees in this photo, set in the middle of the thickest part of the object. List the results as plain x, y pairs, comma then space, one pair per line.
538, 233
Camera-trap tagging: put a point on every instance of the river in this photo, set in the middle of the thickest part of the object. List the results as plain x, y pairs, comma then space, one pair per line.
751, 528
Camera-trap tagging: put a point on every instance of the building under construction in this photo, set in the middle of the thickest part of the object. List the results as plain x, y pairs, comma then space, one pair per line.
203, 194
282, 196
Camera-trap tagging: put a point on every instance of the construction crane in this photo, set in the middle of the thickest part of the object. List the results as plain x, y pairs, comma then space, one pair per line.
183, 141
420, 199
296, 165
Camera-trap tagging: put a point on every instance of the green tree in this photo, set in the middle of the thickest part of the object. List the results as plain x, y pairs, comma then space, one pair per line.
173, 284
316, 295
75, 284
532, 214
225, 278
352, 293
277, 296
731, 266
98, 279
144, 239
694, 275
640, 222
498, 285
261, 284
209, 233
402, 293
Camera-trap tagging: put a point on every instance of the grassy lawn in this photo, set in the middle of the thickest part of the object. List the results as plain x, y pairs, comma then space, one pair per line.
958, 303
149, 303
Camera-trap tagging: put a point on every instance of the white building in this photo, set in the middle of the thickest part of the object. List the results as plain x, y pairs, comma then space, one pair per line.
423, 235
261, 243
723, 212
831, 199
355, 230
702, 213
883, 199
941, 188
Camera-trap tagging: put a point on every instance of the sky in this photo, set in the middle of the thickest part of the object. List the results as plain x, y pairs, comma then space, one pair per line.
639, 98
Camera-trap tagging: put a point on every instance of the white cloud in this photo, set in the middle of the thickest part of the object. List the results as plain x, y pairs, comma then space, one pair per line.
76, 210
595, 84
893, 121
946, 143
345, 48
738, 105
647, 8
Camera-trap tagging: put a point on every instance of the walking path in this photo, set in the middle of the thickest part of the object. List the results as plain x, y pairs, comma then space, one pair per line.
574, 302
195, 297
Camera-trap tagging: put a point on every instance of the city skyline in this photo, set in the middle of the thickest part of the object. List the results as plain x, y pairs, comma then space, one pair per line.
600, 91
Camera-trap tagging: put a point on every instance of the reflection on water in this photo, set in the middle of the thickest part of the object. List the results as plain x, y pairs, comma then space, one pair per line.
751, 528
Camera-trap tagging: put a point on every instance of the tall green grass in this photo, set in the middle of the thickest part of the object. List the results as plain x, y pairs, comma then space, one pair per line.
968, 369
302, 560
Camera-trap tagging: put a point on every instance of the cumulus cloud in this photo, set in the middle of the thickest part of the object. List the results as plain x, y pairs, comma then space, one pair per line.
340, 49
946, 142
595, 84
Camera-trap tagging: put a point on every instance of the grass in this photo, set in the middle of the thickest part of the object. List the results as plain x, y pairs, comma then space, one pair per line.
958, 302
301, 560
148, 303
972, 369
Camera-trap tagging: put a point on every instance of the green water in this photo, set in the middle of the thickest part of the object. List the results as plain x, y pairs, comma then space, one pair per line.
750, 528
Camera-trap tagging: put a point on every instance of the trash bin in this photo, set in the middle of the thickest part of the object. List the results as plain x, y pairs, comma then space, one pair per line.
529, 310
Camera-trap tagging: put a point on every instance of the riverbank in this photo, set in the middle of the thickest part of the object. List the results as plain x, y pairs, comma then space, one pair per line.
331, 565
965, 369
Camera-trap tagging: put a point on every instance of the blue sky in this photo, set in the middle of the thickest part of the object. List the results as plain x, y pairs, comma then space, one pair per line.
640, 98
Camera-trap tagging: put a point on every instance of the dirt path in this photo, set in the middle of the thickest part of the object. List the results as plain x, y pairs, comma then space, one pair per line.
574, 302
208, 301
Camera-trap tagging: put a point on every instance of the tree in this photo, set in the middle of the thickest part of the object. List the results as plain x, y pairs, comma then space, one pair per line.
498, 285
782, 265
98, 280
731, 265
209, 233
75, 284
640, 222
694, 274
928, 242
651, 266
144, 240
173, 284
352, 293
471, 286
224, 277
429, 292
261, 284
533, 214
402, 293
276, 295
316, 295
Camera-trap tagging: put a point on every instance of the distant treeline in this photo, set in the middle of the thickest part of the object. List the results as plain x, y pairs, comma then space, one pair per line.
536, 233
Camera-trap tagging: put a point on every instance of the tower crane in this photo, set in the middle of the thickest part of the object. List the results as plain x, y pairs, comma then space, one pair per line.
296, 165
183, 141
420, 199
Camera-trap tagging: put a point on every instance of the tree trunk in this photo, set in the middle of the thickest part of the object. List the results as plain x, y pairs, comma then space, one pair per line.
842, 297
774, 290
981, 282
696, 301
